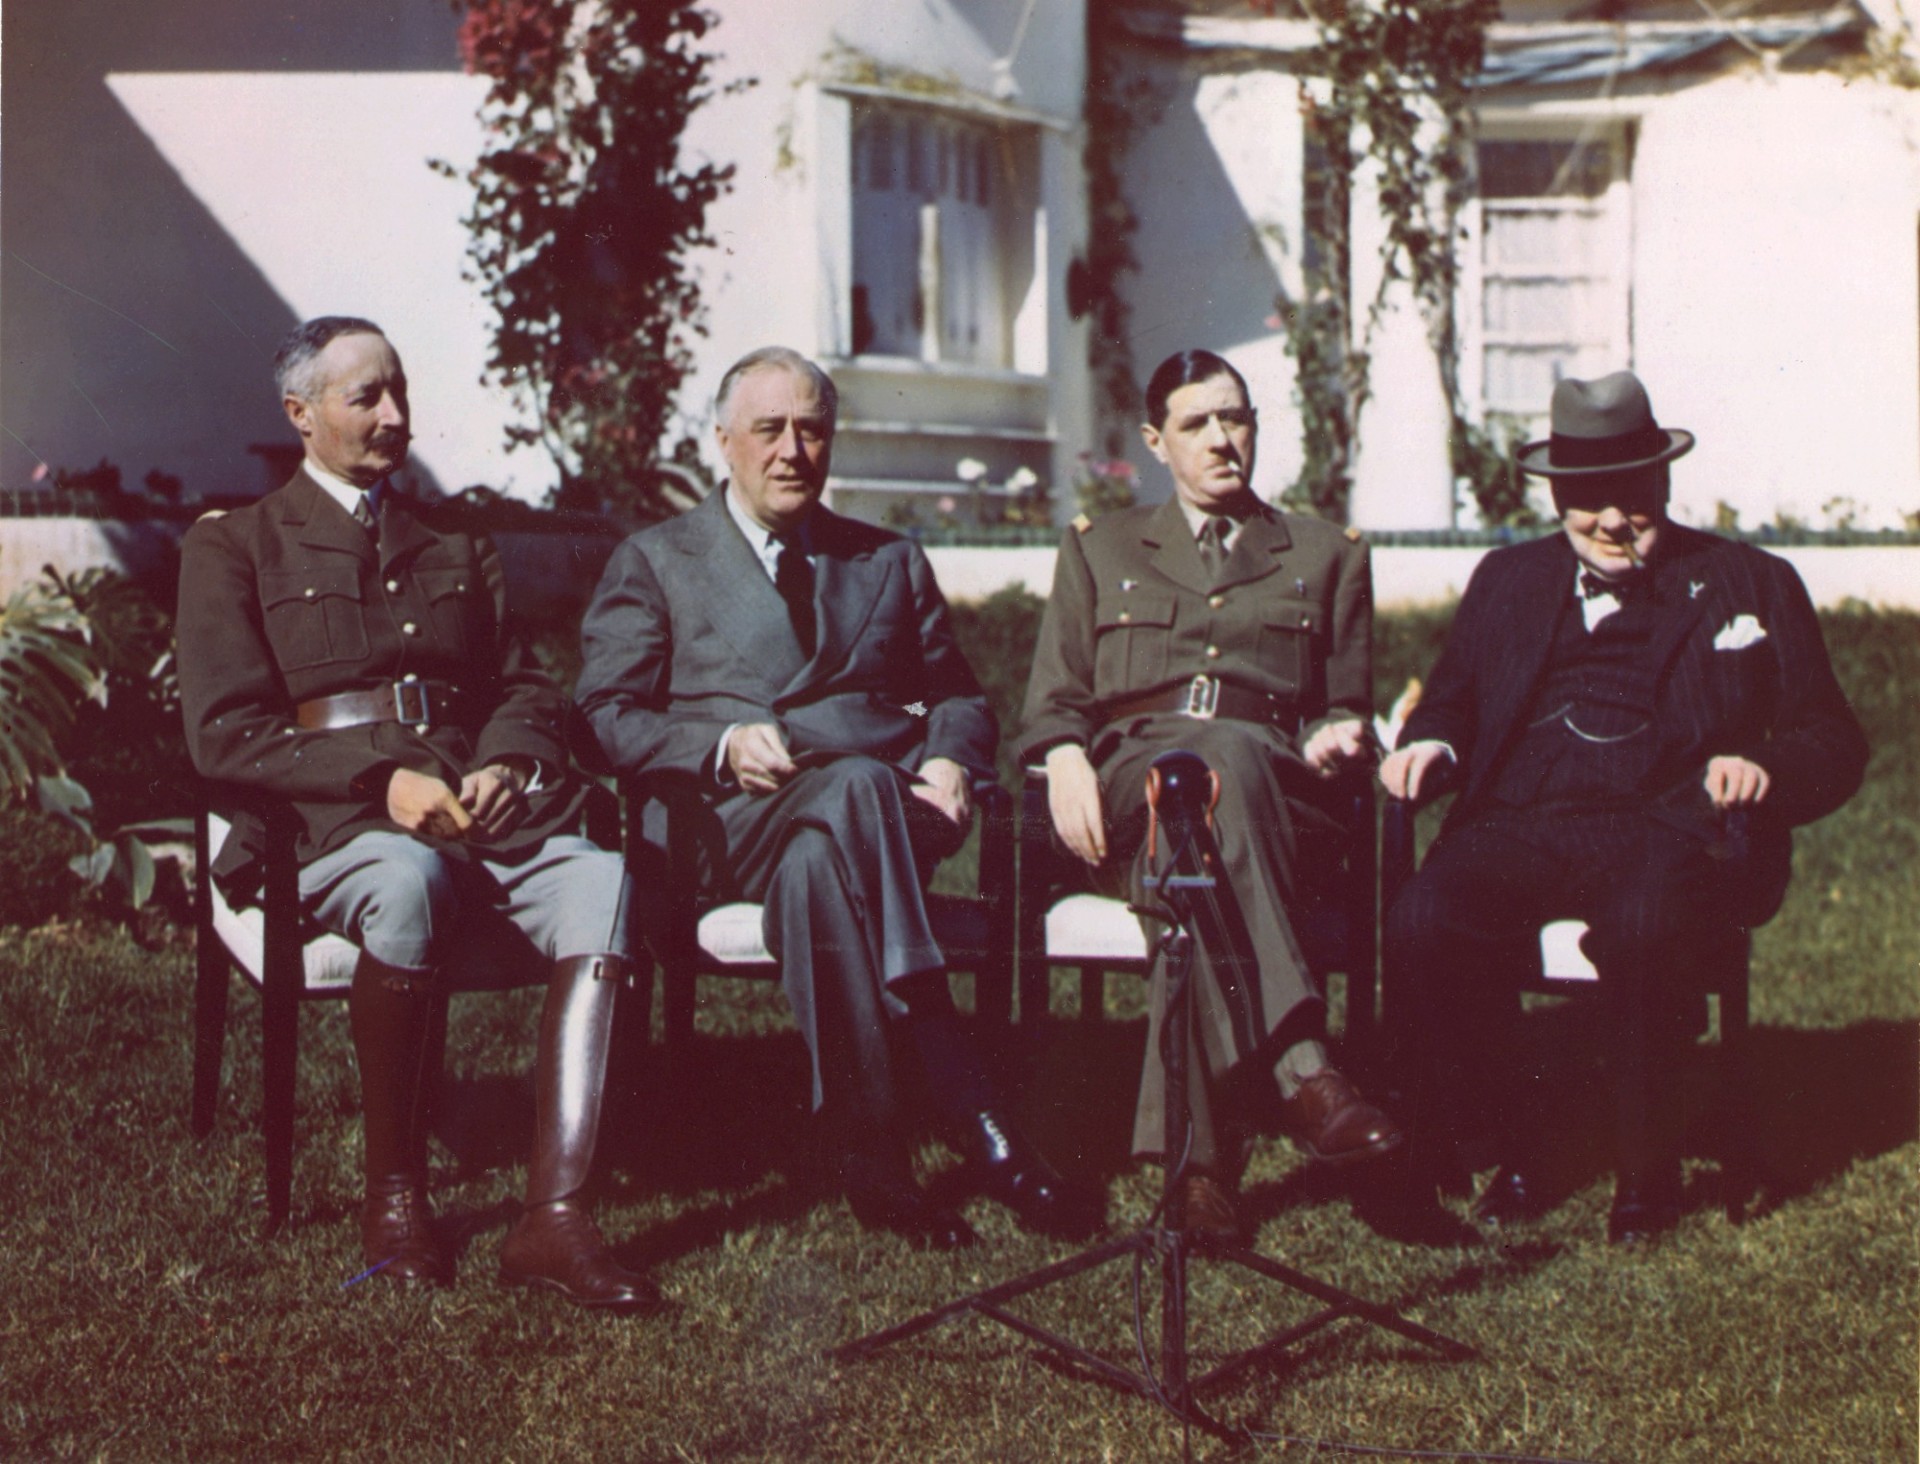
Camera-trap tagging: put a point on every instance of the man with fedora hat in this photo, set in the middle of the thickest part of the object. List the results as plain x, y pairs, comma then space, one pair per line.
1606, 697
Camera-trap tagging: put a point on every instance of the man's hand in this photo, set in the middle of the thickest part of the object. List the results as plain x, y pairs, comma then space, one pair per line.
496, 797
1073, 798
421, 804
943, 784
1733, 782
1334, 746
757, 754
1404, 771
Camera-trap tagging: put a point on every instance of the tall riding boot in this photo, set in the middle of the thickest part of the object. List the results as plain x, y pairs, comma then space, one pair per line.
555, 1243
391, 1013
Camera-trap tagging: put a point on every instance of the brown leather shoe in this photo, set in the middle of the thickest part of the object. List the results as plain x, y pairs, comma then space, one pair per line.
396, 1232
1333, 1123
557, 1246
1204, 1205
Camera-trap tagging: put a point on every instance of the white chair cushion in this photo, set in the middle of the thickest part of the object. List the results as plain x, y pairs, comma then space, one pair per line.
730, 934
1561, 958
329, 959
1094, 928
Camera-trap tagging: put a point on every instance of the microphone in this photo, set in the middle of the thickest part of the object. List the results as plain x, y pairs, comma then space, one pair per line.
1181, 792
1181, 788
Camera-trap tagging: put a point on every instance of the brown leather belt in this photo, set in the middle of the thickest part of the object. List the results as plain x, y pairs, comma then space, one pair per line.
418, 703
1205, 698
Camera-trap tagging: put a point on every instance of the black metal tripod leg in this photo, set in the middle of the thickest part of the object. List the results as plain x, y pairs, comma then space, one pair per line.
983, 1301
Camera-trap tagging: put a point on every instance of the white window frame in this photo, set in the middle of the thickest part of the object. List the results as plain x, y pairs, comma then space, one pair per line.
1614, 211
907, 420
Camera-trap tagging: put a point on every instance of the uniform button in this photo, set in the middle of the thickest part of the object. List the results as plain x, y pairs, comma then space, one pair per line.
309, 592
393, 587
1125, 616
461, 586
409, 629
410, 677
421, 728
1214, 602
1213, 653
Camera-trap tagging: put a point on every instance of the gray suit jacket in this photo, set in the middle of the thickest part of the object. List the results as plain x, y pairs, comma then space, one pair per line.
687, 636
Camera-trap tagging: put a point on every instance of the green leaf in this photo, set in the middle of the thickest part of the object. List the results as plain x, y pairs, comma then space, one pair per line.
66, 800
134, 866
93, 868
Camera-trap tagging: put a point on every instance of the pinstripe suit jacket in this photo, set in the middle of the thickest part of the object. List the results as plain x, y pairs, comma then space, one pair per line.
1742, 671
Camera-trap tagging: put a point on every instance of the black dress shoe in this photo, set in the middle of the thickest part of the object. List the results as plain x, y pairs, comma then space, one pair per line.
1014, 1173
1644, 1208
903, 1207
1511, 1198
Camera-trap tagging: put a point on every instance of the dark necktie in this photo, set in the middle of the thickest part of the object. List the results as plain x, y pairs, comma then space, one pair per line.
1213, 543
793, 578
1626, 590
363, 513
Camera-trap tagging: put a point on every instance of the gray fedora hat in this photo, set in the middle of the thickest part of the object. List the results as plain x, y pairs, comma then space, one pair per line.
1602, 426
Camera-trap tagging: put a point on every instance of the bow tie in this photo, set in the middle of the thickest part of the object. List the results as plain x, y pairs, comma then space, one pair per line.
1626, 591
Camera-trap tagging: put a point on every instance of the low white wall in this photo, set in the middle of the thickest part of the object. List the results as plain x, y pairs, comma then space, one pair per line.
558, 566
1886, 577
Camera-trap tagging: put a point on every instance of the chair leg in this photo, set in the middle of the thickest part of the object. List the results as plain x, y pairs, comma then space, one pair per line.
212, 973
679, 981
280, 1022
1093, 993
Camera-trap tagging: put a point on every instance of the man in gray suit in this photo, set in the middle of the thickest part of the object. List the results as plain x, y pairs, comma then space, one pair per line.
799, 670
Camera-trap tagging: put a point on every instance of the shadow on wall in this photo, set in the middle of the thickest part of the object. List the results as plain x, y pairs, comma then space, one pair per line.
135, 329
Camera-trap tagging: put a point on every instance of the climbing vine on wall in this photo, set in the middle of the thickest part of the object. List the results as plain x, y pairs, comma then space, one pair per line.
582, 223
1390, 89
1117, 105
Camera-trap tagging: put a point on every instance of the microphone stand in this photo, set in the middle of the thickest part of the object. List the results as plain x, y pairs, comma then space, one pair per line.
1182, 785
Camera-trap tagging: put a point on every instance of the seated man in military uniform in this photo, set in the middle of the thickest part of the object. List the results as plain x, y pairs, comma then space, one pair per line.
1216, 624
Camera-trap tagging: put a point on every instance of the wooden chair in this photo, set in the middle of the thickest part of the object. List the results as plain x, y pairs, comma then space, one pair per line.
700, 937
1063, 923
1559, 967
290, 961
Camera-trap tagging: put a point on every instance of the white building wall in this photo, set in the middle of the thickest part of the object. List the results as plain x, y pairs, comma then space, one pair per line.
1776, 309
1213, 174
187, 182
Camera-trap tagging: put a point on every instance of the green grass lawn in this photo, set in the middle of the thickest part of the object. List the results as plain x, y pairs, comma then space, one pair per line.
144, 1316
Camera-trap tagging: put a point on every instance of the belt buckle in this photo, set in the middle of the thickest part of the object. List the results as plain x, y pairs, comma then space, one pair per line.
1203, 697
410, 702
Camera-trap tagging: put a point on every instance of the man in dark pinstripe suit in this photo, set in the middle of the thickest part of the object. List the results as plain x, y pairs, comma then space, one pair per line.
1605, 697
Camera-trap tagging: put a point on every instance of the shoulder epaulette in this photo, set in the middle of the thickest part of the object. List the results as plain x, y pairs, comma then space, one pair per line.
1082, 522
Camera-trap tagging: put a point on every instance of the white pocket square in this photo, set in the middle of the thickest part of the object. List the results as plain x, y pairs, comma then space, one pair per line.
1739, 633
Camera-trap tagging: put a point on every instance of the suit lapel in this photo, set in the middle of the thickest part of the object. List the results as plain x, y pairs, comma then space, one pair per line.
320, 523
1256, 551
1176, 555
1681, 607
1683, 659
401, 532
1542, 593
737, 595
847, 586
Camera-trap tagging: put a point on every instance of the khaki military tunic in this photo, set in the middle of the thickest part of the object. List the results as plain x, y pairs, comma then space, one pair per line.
1135, 611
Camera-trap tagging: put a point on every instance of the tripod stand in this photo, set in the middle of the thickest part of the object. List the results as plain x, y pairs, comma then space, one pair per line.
1180, 794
